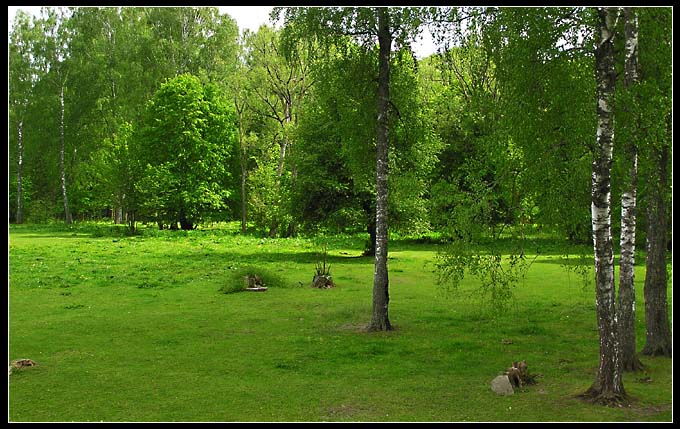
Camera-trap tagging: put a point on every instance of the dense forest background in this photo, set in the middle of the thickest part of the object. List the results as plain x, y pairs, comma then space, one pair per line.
168, 115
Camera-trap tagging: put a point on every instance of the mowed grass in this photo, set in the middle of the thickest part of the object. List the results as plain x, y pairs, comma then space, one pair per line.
136, 328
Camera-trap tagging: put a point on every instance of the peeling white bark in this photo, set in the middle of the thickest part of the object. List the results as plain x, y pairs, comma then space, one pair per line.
380, 318
20, 163
62, 167
626, 298
608, 382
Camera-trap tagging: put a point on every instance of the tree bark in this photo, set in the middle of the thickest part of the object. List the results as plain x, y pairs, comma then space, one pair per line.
369, 210
380, 320
67, 213
283, 144
626, 297
244, 200
118, 215
658, 332
243, 161
20, 163
608, 386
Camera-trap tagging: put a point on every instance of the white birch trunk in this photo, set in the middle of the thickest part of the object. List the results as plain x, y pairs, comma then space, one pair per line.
67, 213
626, 297
608, 385
380, 319
20, 163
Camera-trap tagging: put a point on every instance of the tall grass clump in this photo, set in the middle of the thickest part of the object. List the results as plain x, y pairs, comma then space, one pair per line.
237, 278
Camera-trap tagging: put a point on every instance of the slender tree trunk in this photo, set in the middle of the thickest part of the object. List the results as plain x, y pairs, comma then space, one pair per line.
244, 197
283, 145
369, 210
658, 332
118, 215
243, 160
626, 298
67, 213
20, 199
608, 386
380, 320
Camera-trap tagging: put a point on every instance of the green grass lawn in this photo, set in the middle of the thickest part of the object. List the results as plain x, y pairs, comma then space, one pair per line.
137, 328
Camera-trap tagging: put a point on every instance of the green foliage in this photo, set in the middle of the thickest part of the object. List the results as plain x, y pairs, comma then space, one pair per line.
581, 265
546, 79
476, 177
184, 146
269, 194
497, 276
336, 144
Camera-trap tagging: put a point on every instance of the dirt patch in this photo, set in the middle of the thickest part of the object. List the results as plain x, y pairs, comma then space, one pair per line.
344, 412
353, 327
649, 410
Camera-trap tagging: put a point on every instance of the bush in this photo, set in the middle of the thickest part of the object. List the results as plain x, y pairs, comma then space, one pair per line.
235, 281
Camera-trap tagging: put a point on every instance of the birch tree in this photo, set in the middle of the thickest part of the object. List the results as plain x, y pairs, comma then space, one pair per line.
21, 80
279, 81
240, 93
626, 295
608, 386
52, 56
388, 27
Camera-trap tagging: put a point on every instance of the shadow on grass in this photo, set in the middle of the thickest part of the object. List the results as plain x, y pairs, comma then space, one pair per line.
277, 257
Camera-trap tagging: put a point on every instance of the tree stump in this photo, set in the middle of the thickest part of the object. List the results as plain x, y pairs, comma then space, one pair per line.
254, 283
20, 363
322, 281
518, 374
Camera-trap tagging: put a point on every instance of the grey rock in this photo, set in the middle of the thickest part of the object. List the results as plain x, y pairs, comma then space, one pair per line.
501, 385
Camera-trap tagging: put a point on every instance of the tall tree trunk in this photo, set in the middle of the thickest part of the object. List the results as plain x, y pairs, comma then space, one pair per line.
243, 160
67, 213
283, 145
380, 320
244, 200
20, 199
608, 386
658, 332
118, 215
626, 298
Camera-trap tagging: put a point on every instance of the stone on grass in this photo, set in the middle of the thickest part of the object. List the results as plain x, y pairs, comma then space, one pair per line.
501, 385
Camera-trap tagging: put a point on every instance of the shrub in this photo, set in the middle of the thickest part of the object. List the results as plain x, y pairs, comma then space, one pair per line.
235, 279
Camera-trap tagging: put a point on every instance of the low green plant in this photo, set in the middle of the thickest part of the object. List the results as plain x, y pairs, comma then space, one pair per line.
236, 278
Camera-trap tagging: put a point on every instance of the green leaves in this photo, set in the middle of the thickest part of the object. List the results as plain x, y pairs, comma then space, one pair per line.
185, 146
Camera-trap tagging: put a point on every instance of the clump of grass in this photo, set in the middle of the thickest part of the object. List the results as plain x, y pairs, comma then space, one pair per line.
236, 279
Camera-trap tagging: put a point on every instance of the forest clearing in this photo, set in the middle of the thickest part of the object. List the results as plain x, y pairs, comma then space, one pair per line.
310, 218
139, 329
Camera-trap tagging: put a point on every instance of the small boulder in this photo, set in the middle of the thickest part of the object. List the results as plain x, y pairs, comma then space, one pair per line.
502, 386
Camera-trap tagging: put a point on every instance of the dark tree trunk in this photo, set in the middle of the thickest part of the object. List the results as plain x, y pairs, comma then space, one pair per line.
370, 244
131, 221
20, 200
608, 386
62, 168
369, 210
658, 332
184, 223
380, 320
243, 161
626, 298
